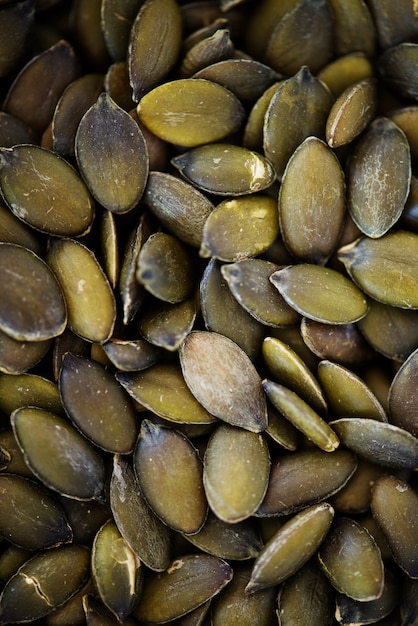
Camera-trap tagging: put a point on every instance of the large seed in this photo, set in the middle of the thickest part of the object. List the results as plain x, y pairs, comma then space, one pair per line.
28, 389
403, 396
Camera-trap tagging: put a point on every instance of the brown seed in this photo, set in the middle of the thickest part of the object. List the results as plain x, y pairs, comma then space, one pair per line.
402, 396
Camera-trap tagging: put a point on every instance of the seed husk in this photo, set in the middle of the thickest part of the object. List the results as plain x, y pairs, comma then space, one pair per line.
320, 293
301, 415
182, 112
394, 505
320, 473
97, 404
222, 378
112, 155
58, 455
351, 113
233, 170
90, 301
240, 228
291, 547
402, 396
44, 583
188, 582
236, 472
351, 560
170, 475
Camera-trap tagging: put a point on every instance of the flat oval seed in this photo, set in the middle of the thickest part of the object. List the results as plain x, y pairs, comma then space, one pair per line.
236, 471
402, 396
90, 300
249, 283
113, 560
350, 558
170, 474
396, 66
144, 533
345, 71
395, 505
30, 517
13, 230
312, 202
190, 581
44, 583
128, 356
165, 268
354, 28
341, 343
28, 389
161, 389
320, 293
351, 113
112, 155
384, 268
154, 45
32, 306
379, 175
58, 455
347, 394
291, 547
223, 379
240, 228
349, 611
167, 325
321, 475
191, 112
97, 404
233, 170
300, 414
379, 442
44, 191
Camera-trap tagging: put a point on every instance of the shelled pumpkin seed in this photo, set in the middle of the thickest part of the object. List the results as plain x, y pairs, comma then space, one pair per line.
253, 169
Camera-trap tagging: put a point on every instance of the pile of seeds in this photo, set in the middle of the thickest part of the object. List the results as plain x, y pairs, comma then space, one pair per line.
209, 312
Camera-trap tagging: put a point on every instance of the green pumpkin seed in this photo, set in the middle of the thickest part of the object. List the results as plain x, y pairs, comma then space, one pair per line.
236, 471
170, 475
281, 430
263, 21
240, 228
223, 314
117, 19
233, 170
111, 560
112, 155
44, 583
90, 300
320, 293
31, 518
12, 455
406, 119
298, 109
306, 598
58, 455
154, 44
180, 207
395, 505
189, 582
354, 28
291, 547
92, 399
144, 533
182, 112
384, 267
347, 394
402, 394
13, 131
349, 611
341, 343
17, 357
118, 87
351, 560
379, 175
300, 414
253, 132
11, 559
210, 49
167, 325
382, 443
351, 113
321, 474
345, 71
128, 356
355, 496
109, 247
162, 390
164, 268
222, 378
396, 66
13, 230
28, 389
288, 369
312, 202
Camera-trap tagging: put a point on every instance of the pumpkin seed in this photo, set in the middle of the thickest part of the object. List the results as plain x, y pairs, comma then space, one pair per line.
31, 518
183, 112
349, 611
253, 132
88, 34
396, 68
236, 471
109, 247
28, 389
189, 582
291, 547
117, 20
281, 430
354, 29
320, 293
351, 113
89, 297
355, 496
210, 49
58, 455
170, 475
233, 170
128, 356
12, 455
17, 357
10, 561
167, 325
351, 560
345, 71
402, 395
240, 228
13, 230
341, 343
223, 379
394, 25
405, 118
